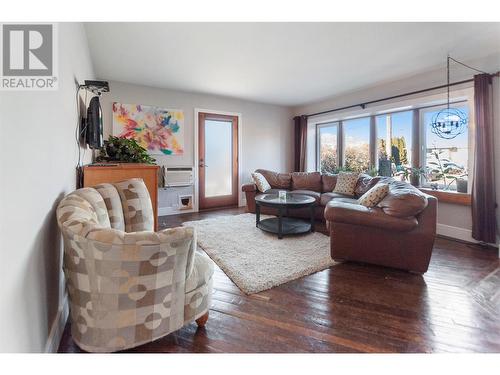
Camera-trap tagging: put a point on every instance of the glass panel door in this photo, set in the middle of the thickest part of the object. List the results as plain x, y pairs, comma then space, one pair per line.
218, 160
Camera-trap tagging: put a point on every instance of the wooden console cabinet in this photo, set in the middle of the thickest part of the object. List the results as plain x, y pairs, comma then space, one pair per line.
114, 172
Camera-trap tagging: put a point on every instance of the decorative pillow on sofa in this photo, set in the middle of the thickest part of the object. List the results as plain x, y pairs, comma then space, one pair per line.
374, 196
346, 183
261, 182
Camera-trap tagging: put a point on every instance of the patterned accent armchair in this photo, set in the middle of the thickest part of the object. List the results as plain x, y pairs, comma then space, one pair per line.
128, 285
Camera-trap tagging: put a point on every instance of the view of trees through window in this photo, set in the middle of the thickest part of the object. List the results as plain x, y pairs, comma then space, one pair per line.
357, 144
327, 143
394, 139
444, 165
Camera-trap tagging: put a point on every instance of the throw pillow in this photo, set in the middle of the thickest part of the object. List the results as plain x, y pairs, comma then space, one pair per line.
261, 182
374, 196
346, 183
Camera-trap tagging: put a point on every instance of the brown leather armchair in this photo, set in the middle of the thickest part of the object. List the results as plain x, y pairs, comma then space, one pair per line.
388, 235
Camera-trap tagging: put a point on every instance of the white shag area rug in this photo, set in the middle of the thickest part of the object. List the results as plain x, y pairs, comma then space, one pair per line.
256, 260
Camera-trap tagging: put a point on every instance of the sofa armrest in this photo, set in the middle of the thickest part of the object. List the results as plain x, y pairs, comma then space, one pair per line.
249, 187
356, 214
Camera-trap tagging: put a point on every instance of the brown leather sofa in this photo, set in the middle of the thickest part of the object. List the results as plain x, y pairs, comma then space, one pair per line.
398, 233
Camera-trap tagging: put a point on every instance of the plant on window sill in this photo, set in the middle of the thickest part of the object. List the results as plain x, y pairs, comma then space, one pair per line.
447, 171
412, 173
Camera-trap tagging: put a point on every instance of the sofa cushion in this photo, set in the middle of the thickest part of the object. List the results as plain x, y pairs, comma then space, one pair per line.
310, 193
403, 200
327, 197
373, 196
366, 182
346, 183
306, 181
261, 182
277, 180
328, 182
356, 214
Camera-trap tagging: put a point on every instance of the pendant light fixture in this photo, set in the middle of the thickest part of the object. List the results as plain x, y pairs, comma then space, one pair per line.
449, 122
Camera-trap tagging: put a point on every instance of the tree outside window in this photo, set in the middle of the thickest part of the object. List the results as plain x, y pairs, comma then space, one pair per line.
357, 144
327, 144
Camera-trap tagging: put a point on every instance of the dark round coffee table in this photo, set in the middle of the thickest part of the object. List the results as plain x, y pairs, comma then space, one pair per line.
283, 225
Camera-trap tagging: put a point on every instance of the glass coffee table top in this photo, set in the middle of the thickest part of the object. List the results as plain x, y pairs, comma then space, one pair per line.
291, 198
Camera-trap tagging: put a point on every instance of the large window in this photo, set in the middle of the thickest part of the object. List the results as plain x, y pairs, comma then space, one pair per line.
394, 139
446, 160
348, 144
357, 144
328, 161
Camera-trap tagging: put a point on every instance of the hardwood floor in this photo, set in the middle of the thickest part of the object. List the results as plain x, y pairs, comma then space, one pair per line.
351, 307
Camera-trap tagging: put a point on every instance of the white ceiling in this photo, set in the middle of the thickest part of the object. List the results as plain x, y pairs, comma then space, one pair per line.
280, 63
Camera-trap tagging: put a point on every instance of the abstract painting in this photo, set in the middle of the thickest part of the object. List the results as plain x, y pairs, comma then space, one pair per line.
158, 130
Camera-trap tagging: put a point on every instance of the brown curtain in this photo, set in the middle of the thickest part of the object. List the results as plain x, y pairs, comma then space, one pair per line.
483, 186
300, 123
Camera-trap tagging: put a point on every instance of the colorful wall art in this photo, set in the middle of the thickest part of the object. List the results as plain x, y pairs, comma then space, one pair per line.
160, 131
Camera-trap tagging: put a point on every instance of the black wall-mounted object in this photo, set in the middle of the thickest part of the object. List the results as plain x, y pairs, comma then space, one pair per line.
97, 87
93, 124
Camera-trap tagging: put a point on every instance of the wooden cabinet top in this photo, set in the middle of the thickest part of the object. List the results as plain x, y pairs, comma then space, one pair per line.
121, 166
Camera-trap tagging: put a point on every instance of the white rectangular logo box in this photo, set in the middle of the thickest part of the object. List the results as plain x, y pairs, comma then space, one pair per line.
29, 56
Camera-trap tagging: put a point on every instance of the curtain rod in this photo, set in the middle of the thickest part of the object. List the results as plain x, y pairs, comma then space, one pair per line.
364, 104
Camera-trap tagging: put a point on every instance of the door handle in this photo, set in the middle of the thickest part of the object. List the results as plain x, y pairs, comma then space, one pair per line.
203, 165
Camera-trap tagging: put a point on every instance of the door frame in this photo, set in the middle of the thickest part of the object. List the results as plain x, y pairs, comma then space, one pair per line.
196, 147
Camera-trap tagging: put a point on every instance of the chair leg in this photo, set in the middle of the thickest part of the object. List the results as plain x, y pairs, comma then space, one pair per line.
202, 320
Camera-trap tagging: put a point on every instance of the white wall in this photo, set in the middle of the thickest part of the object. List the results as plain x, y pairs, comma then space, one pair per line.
37, 168
267, 137
453, 220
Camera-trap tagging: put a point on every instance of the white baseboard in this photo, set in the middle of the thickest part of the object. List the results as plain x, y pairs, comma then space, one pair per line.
57, 329
461, 234
455, 232
167, 211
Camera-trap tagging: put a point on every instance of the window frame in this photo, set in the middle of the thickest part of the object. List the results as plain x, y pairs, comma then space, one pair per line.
371, 146
423, 141
328, 124
464, 94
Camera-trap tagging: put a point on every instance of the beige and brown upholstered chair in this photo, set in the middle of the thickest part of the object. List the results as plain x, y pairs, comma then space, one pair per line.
128, 285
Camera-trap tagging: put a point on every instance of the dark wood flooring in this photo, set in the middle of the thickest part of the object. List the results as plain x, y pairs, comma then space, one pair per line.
352, 307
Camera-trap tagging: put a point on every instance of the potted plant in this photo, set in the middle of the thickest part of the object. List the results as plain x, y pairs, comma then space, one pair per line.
462, 184
124, 150
446, 170
412, 174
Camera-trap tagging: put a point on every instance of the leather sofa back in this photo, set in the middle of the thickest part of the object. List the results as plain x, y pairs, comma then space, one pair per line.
328, 182
403, 199
277, 180
306, 181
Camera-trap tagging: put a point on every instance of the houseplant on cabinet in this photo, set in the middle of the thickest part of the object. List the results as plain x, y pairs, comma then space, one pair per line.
124, 150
